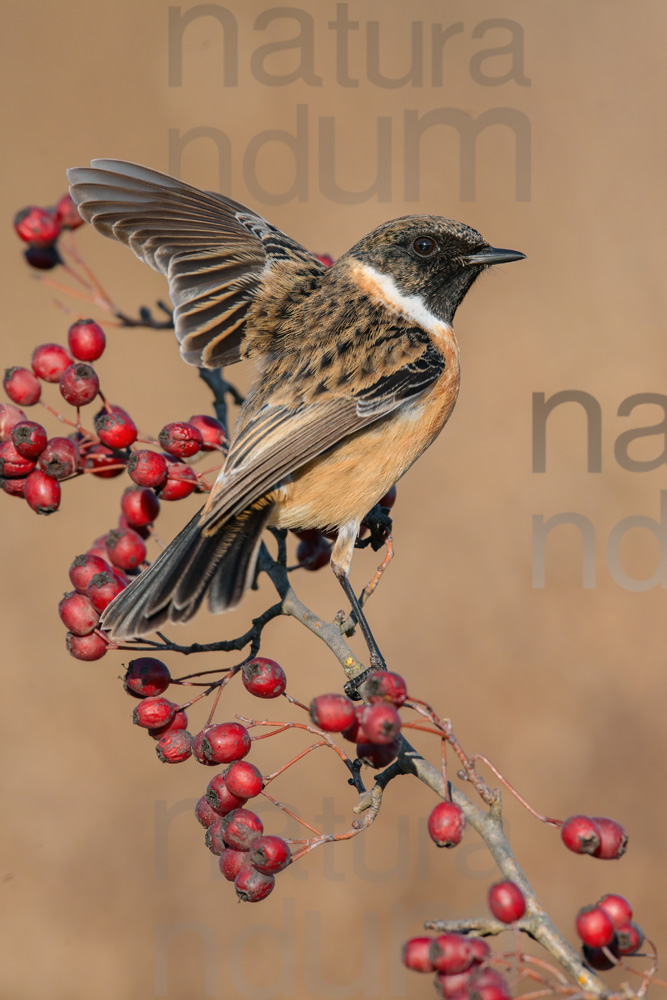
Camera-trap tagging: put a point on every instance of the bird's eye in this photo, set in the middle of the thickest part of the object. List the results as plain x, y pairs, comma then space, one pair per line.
424, 246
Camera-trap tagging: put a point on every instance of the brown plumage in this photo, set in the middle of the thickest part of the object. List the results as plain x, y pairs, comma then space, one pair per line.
358, 370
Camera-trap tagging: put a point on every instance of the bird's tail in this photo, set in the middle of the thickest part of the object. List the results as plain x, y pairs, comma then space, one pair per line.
194, 564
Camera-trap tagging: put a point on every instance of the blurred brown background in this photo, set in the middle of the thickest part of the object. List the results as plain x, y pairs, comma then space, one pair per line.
562, 687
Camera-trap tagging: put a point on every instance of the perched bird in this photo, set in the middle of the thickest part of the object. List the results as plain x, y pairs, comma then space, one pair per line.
358, 371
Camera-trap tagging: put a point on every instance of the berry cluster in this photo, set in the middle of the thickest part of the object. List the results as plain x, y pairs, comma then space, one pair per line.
607, 931
40, 229
461, 966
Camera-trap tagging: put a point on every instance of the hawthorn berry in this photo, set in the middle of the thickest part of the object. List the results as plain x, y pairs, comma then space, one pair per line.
67, 213
630, 937
12, 463
174, 747
452, 986
613, 839
13, 487
480, 949
86, 340
220, 797
126, 548
380, 723
231, 862
594, 926
140, 506
152, 712
115, 429
204, 813
212, 432
181, 481
77, 614
417, 954
243, 779
383, 685
354, 732
37, 225
22, 386
103, 462
29, 438
270, 854
450, 953
252, 886
84, 568
198, 750
148, 468
313, 552
49, 361
332, 712
616, 907
10, 416
263, 677
60, 458
42, 492
102, 589
581, 834
241, 828
488, 984
224, 742
79, 384
506, 901
180, 721
180, 439
214, 838
446, 824
377, 754
389, 499
147, 677
599, 958
86, 647
43, 258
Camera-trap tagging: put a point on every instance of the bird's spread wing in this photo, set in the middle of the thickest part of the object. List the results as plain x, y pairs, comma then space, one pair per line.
280, 439
213, 251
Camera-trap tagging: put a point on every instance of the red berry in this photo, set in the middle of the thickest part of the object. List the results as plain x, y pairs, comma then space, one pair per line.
314, 551
42, 492
243, 779
220, 797
114, 429
451, 953
13, 487
140, 506
77, 614
21, 386
86, 647
214, 838
231, 862
79, 384
446, 824
594, 926
332, 712
488, 984
126, 548
613, 839
153, 712
86, 340
104, 463
204, 812
452, 986
377, 754
326, 259
389, 499
381, 723
263, 677
42, 258
36, 225
13, 464
180, 439
102, 589
67, 213
174, 747
84, 568
148, 468
252, 886
181, 481
198, 750
241, 828
49, 361
270, 854
630, 938
147, 677
29, 438
225, 742
180, 721
382, 685
354, 733
599, 959
480, 949
10, 416
212, 431
417, 954
506, 902
60, 458
616, 907
581, 834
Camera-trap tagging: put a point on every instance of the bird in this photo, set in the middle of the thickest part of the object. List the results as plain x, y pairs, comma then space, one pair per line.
357, 372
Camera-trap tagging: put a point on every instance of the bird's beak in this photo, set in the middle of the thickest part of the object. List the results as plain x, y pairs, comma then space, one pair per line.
492, 255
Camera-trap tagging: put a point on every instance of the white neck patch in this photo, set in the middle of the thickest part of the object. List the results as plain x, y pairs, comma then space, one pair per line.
412, 306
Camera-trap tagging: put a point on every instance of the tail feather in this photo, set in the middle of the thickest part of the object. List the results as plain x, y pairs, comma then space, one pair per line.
193, 566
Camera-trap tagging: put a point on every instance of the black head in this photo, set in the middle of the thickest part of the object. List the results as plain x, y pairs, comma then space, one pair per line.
436, 259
